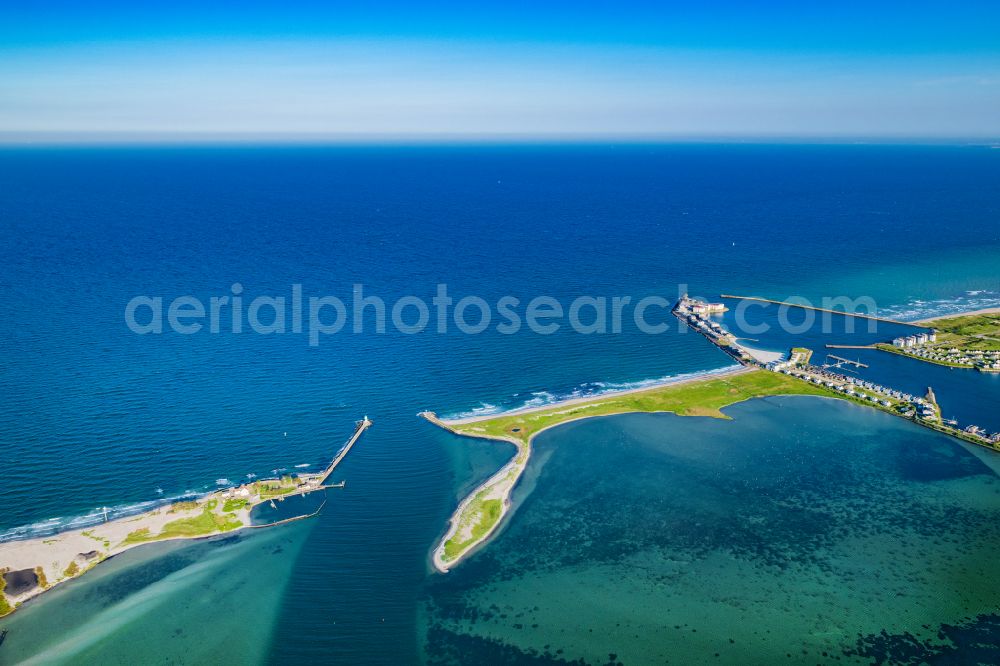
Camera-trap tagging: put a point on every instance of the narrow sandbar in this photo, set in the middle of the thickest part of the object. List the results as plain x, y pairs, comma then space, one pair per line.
480, 514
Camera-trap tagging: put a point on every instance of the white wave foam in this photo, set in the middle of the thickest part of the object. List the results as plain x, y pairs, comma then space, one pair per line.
223, 482
586, 390
303, 466
978, 299
95, 516
484, 409
539, 398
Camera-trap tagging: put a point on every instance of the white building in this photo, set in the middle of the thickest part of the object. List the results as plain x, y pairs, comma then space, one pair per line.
707, 308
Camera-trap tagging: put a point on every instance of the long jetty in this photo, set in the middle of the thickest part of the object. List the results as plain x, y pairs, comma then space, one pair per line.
837, 312
361, 426
53, 554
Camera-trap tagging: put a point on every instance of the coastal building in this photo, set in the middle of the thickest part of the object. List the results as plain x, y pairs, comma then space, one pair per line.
701, 308
899, 342
686, 305
932, 336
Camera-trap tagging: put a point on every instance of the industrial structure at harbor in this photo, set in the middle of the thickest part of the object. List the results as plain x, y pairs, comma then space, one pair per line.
923, 410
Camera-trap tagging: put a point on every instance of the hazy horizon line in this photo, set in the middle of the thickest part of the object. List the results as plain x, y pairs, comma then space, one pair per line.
9, 139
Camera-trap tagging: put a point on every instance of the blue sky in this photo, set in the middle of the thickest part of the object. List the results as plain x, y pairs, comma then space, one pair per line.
376, 70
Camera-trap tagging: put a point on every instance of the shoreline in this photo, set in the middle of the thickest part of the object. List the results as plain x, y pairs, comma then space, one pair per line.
515, 467
54, 559
501, 484
468, 524
70, 554
964, 313
678, 380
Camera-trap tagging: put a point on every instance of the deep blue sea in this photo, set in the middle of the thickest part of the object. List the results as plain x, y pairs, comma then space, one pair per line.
93, 415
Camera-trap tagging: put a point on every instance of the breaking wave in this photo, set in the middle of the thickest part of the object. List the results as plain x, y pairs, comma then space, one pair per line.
978, 299
95, 516
585, 390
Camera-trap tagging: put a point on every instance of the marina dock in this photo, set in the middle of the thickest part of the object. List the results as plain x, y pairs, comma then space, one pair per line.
909, 408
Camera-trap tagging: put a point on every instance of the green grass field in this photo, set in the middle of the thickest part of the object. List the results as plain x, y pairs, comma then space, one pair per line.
700, 398
205, 523
896, 350
4, 606
271, 489
486, 513
969, 332
233, 504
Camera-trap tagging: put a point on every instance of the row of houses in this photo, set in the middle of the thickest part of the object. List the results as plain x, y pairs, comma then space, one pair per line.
904, 403
706, 325
840, 384
882, 395
982, 434
987, 360
865, 390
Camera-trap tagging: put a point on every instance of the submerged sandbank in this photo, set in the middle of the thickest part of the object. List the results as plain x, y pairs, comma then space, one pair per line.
480, 514
36, 565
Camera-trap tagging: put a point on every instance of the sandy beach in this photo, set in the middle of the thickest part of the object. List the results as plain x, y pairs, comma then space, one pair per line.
670, 381
40, 563
958, 314
501, 484
66, 555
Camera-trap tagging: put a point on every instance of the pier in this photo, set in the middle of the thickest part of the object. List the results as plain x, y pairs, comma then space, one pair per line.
223, 511
721, 338
359, 428
823, 375
838, 362
837, 312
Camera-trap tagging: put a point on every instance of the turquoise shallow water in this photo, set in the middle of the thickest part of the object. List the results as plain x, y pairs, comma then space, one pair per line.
211, 601
114, 418
803, 531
